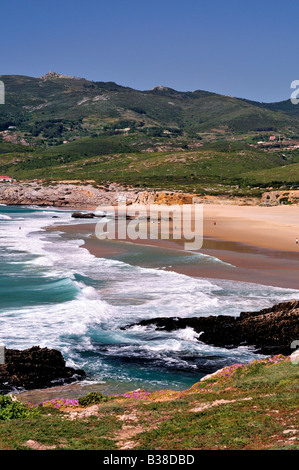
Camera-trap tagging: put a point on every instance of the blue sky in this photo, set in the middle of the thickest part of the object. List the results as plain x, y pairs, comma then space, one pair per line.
245, 49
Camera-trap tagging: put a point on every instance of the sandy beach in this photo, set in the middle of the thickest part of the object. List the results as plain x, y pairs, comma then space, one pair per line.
258, 244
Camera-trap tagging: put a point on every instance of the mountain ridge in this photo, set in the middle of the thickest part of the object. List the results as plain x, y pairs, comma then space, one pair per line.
55, 107
52, 75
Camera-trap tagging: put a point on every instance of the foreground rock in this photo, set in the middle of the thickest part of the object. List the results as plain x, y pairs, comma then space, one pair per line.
269, 331
35, 368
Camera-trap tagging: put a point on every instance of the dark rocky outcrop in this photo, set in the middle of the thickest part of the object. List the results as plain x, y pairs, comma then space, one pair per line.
269, 331
35, 368
81, 215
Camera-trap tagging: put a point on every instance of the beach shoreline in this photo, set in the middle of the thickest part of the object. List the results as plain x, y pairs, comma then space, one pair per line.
254, 244
242, 261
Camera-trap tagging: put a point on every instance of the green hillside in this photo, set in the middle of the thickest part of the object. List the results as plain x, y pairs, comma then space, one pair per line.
242, 407
286, 107
286, 176
63, 128
212, 168
54, 108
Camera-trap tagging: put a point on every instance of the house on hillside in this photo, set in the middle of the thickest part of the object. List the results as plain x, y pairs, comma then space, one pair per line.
127, 129
272, 137
6, 178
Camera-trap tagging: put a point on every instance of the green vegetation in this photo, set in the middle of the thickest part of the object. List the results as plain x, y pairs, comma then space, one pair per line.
286, 175
92, 398
74, 129
54, 108
242, 407
50, 430
12, 409
215, 168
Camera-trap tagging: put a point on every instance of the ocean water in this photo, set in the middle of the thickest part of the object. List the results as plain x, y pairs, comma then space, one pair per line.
55, 294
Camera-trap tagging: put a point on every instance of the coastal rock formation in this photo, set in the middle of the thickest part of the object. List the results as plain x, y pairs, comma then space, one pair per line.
61, 195
276, 198
70, 195
81, 196
269, 331
80, 215
35, 368
169, 198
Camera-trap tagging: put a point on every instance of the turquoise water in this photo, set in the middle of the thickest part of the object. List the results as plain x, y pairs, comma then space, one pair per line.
55, 294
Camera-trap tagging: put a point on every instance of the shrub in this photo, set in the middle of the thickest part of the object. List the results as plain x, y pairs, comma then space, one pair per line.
11, 408
92, 399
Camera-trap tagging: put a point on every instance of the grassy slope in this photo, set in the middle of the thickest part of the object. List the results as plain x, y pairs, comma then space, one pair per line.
286, 107
121, 159
288, 174
243, 407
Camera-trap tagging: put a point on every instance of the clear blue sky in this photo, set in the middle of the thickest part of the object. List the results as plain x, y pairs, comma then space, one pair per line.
245, 49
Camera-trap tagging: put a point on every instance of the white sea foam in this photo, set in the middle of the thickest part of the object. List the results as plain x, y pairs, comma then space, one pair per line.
111, 293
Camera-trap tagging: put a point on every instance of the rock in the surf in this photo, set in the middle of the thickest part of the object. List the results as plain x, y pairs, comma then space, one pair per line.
273, 330
35, 368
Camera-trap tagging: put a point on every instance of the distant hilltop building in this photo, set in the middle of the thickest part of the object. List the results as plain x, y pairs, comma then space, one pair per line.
160, 88
272, 137
53, 75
